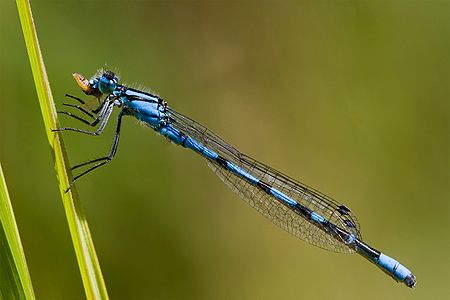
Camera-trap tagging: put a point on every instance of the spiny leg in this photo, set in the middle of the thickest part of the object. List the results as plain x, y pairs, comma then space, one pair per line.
76, 98
74, 116
104, 110
102, 160
96, 110
112, 152
80, 109
103, 116
84, 111
77, 107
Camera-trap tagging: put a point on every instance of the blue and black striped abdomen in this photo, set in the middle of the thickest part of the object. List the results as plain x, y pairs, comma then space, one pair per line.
288, 210
294, 207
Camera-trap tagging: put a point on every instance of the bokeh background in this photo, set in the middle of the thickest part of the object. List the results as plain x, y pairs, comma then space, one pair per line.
350, 97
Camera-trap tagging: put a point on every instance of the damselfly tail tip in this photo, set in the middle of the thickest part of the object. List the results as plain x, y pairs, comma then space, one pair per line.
410, 281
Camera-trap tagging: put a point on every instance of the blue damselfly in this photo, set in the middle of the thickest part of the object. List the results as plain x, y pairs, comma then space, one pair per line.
295, 207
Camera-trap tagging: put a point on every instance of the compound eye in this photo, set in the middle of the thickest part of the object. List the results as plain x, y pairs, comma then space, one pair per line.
107, 82
110, 75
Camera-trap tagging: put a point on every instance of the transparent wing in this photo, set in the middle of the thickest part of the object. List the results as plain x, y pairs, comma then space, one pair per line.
93, 103
266, 204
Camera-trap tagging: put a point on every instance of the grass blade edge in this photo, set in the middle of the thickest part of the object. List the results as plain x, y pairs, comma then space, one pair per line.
88, 263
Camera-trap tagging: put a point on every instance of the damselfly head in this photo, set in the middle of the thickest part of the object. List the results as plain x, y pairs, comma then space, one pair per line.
107, 83
103, 84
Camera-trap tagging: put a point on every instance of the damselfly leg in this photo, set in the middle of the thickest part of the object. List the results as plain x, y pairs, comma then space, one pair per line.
102, 160
102, 117
86, 111
105, 109
95, 110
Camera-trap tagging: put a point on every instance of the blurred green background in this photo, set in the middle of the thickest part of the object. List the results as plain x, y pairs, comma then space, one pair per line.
350, 97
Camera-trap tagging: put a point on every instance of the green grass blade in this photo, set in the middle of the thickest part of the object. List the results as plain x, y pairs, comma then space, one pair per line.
84, 247
15, 281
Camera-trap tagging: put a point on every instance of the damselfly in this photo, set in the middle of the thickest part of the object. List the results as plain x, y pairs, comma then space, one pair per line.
295, 207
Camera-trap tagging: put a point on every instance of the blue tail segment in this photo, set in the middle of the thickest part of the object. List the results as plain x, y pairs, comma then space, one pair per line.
301, 210
389, 265
396, 270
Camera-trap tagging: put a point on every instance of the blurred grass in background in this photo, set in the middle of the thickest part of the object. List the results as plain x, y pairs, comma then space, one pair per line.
351, 97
